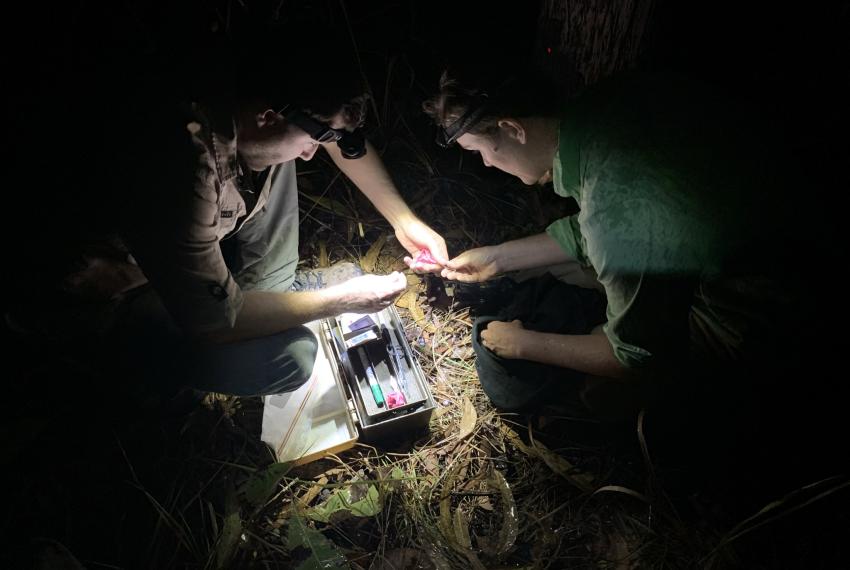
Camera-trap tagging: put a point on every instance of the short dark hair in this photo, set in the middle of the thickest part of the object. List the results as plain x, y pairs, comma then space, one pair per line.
289, 70
510, 90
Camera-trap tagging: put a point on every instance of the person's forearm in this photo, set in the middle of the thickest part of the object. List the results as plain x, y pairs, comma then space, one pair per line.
527, 253
266, 313
371, 177
588, 353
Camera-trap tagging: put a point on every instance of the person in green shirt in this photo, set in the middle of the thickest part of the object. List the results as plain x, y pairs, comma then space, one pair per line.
680, 220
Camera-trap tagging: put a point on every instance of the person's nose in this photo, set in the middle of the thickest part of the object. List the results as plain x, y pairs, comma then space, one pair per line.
486, 162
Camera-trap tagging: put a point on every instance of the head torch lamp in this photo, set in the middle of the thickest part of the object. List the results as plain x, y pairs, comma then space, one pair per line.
351, 144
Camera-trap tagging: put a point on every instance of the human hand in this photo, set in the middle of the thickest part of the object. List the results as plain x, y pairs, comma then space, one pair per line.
427, 248
473, 265
367, 293
503, 338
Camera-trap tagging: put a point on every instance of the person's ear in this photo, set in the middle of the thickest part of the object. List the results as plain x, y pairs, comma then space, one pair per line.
267, 118
513, 129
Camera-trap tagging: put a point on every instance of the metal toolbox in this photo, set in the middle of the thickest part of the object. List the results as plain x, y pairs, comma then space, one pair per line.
366, 385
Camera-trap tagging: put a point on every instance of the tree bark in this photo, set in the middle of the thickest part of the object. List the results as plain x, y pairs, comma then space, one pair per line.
580, 42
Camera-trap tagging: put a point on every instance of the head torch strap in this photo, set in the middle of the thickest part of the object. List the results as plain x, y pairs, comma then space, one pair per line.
316, 130
351, 144
468, 120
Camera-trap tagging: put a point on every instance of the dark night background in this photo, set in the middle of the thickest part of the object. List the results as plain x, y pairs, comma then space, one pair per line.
71, 69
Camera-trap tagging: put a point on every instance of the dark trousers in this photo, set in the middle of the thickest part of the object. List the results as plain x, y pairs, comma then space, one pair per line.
542, 304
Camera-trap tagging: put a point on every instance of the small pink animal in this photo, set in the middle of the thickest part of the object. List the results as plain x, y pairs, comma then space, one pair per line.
424, 257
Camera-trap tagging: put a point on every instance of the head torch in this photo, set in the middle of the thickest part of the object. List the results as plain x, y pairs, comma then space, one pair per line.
448, 135
351, 144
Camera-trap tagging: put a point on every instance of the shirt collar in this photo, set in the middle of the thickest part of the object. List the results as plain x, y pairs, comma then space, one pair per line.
565, 169
222, 126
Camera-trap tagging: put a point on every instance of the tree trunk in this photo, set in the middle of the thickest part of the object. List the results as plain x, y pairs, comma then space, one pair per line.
580, 42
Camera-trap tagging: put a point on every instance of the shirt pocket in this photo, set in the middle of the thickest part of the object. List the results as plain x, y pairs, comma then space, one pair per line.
231, 208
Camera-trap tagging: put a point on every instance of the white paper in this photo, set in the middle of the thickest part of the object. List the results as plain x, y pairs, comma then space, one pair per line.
312, 418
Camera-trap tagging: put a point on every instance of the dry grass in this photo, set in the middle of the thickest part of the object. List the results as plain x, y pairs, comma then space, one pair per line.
481, 489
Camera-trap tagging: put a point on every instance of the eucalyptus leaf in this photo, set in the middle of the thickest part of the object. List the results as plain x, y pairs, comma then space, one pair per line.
323, 553
510, 525
263, 483
231, 530
468, 420
340, 504
368, 262
581, 479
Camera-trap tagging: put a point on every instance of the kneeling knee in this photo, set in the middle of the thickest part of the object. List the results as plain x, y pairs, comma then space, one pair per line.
302, 351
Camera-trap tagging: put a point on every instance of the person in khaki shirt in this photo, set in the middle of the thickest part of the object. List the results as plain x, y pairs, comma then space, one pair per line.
213, 228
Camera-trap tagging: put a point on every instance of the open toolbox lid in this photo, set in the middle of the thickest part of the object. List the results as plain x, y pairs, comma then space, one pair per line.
314, 420
322, 416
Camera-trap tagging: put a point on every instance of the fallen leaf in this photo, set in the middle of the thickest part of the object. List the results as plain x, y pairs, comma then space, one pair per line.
555, 462
484, 503
439, 412
312, 492
368, 262
430, 461
264, 482
444, 523
461, 528
417, 315
564, 468
322, 552
231, 530
468, 420
406, 300
510, 525
342, 503
625, 491
323, 254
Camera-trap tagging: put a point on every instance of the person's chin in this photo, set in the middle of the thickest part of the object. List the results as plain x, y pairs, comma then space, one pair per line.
257, 164
547, 177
